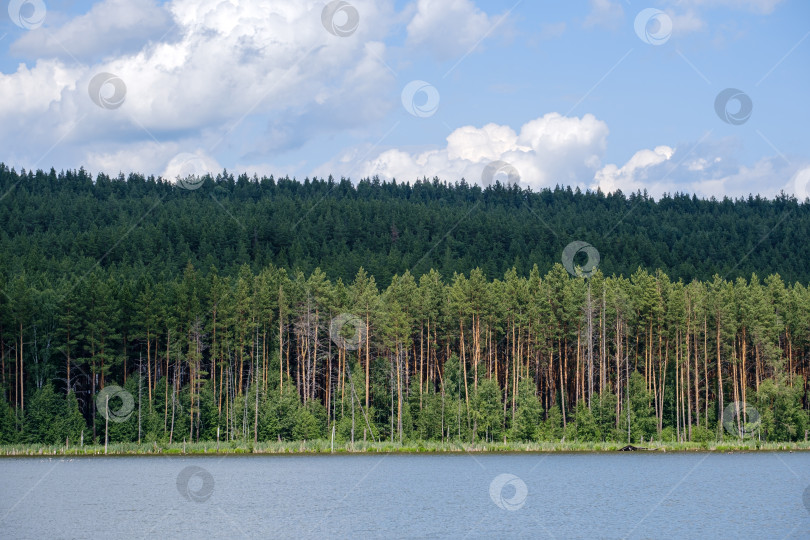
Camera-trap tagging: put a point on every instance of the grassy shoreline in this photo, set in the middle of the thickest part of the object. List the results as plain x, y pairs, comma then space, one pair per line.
321, 447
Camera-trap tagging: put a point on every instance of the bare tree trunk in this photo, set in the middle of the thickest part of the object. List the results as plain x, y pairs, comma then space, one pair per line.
368, 356
688, 389
590, 346
697, 385
603, 346
166, 394
421, 358
677, 393
618, 370
257, 386
106, 421
171, 431
280, 348
399, 391
736, 394
562, 385
719, 376
22, 372
67, 364
140, 384
706, 369
627, 386
148, 363
464, 364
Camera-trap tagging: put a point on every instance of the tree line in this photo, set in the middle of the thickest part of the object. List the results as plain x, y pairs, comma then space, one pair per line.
69, 222
279, 355
272, 309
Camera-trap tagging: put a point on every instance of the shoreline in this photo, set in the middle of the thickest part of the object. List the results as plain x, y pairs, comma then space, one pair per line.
324, 448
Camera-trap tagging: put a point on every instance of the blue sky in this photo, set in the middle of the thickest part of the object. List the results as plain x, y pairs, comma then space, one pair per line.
563, 92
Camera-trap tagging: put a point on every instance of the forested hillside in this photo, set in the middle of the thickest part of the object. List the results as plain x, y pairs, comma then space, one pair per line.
266, 309
66, 223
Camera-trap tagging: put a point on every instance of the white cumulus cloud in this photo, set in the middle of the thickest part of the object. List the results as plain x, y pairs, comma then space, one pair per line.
265, 67
634, 174
756, 6
707, 169
109, 28
799, 185
549, 150
687, 17
606, 13
449, 28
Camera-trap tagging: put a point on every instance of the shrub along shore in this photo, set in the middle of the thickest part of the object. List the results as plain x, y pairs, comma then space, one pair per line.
415, 447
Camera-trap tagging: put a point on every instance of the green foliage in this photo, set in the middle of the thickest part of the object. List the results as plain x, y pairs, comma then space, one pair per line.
781, 415
202, 322
309, 423
151, 424
73, 423
8, 428
50, 418
353, 226
642, 415
529, 414
121, 429
453, 377
586, 425
604, 413
428, 424
668, 434
701, 434
487, 410
552, 428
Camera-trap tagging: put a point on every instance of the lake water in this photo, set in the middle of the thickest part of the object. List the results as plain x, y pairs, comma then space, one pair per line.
634, 495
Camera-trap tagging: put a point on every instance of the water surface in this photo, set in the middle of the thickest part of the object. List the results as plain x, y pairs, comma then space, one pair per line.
638, 495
